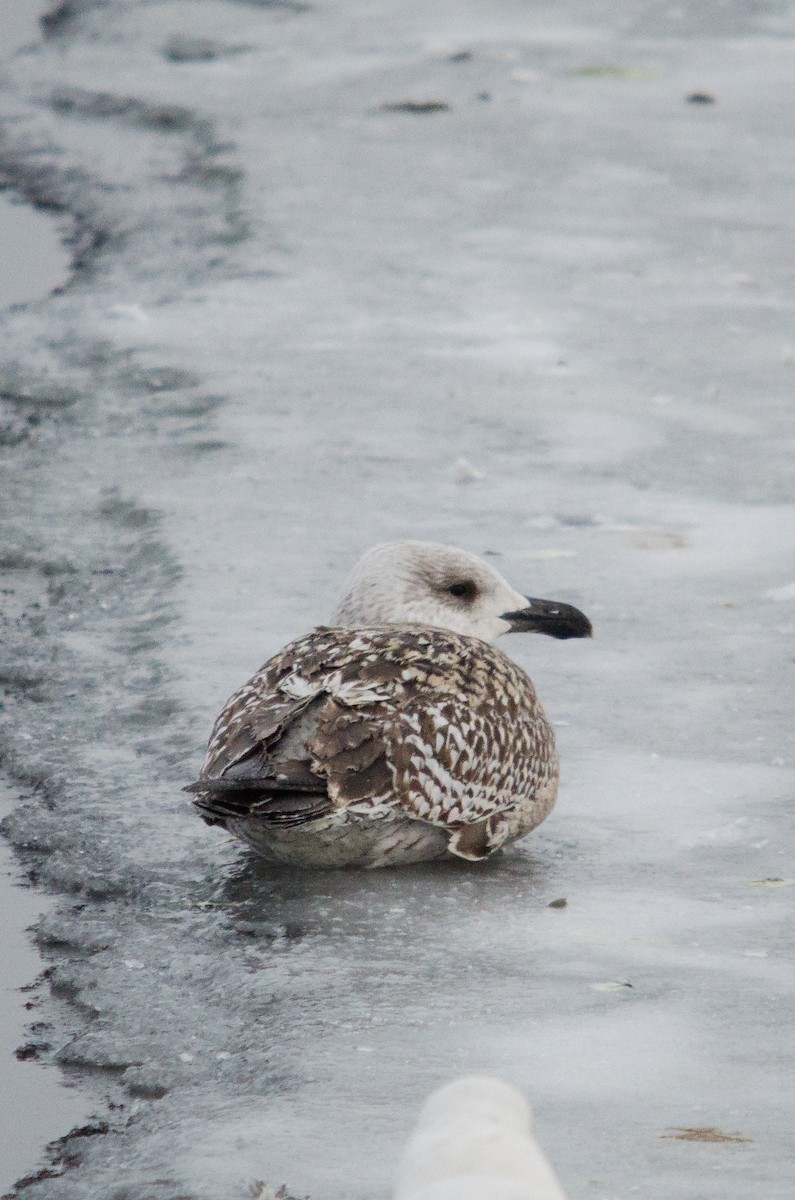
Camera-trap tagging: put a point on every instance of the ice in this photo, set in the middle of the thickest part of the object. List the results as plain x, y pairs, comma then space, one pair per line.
292, 314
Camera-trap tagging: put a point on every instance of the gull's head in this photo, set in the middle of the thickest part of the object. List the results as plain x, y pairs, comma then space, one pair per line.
432, 584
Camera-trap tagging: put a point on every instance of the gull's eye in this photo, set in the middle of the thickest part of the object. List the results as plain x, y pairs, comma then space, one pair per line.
465, 589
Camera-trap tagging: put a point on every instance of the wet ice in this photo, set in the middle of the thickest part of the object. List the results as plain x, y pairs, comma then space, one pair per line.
375, 296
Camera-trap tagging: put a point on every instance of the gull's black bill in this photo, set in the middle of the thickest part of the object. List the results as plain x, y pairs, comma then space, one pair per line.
552, 617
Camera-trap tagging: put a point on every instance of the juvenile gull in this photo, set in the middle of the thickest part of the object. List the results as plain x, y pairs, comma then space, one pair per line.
397, 734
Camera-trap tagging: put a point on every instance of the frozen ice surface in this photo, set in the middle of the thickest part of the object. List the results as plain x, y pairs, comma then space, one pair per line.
26, 1089
293, 313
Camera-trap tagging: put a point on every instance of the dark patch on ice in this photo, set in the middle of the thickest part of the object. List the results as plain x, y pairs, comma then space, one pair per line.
200, 169
38, 394
64, 1153
703, 1133
87, 244
87, 1055
293, 6
613, 71
63, 17
141, 1088
31, 1051
39, 981
103, 106
123, 512
576, 520
32, 686
36, 1177
16, 429
193, 406
185, 49
415, 106
82, 1131
16, 558
259, 1188
207, 446
700, 98
26, 400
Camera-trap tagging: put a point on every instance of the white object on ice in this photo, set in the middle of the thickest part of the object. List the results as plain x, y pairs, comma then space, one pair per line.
131, 312
785, 592
465, 472
475, 1140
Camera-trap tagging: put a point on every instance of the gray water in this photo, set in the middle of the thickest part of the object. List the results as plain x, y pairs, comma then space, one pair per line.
34, 1105
294, 310
31, 253
33, 259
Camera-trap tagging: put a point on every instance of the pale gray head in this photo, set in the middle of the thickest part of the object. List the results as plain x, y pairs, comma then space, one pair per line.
432, 584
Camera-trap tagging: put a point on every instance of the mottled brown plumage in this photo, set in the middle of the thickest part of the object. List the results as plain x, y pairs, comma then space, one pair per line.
381, 744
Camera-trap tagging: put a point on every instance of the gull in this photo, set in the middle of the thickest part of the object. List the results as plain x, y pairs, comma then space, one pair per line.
397, 733
475, 1140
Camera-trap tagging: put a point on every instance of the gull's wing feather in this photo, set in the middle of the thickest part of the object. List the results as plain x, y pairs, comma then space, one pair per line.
442, 727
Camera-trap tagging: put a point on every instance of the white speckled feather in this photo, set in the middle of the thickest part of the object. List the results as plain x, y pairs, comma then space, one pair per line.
382, 744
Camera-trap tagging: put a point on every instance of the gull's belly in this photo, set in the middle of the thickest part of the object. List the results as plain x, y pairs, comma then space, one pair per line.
345, 840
